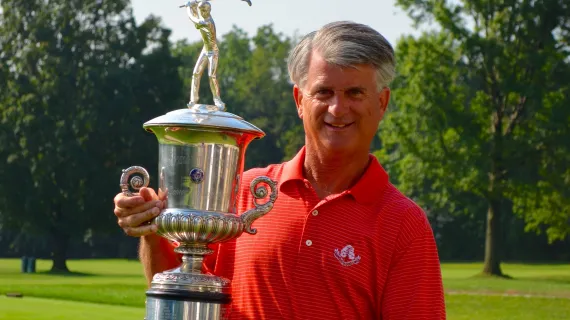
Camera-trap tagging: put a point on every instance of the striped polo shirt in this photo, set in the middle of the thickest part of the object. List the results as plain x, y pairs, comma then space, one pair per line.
366, 253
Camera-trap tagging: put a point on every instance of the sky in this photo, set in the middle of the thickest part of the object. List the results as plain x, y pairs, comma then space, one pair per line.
288, 17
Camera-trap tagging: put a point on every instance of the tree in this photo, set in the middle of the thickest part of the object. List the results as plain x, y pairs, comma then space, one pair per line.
481, 112
79, 77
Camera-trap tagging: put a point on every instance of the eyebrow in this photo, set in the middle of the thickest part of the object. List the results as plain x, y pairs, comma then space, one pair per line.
363, 89
319, 87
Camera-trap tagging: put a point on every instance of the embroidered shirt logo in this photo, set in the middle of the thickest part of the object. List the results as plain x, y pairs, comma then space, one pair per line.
346, 256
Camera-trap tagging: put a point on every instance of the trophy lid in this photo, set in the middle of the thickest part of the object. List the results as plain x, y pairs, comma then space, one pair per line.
204, 117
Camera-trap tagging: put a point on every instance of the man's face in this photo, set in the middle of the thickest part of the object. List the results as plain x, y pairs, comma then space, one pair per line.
340, 108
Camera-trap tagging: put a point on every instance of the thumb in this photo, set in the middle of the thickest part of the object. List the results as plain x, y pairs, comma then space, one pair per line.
148, 194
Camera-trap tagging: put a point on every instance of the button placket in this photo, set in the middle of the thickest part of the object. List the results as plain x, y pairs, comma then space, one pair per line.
312, 204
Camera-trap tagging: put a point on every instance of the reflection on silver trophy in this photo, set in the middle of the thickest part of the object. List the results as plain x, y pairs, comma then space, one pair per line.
201, 158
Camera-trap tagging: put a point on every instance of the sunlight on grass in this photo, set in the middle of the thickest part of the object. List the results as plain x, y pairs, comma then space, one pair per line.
464, 307
117, 282
539, 279
49, 309
115, 289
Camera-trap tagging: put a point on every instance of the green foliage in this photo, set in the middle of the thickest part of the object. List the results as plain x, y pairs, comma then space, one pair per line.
78, 78
81, 80
480, 113
478, 117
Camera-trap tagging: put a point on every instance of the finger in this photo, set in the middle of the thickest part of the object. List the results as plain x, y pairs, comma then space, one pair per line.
148, 194
138, 219
162, 194
123, 201
124, 212
141, 231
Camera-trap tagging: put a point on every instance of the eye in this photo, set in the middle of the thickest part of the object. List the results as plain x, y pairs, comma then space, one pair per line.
323, 93
355, 93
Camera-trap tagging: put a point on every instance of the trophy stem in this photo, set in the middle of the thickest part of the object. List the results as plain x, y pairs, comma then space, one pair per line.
191, 263
193, 249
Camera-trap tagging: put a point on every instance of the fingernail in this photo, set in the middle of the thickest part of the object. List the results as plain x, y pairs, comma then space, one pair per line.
155, 211
159, 204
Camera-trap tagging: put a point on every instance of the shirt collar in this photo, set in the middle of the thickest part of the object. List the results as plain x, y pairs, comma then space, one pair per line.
293, 169
374, 179
365, 191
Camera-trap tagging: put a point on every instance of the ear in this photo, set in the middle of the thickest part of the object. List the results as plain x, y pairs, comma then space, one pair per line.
384, 99
298, 96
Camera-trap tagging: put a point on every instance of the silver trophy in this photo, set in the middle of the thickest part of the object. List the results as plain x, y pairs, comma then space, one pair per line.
201, 158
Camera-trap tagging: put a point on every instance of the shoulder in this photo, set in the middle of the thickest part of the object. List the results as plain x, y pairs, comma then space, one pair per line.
403, 215
272, 171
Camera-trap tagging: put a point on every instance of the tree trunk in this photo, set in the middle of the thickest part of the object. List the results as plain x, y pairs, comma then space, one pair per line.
492, 264
59, 257
493, 236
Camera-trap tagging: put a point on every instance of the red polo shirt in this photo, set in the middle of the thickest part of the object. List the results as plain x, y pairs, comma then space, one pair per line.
367, 253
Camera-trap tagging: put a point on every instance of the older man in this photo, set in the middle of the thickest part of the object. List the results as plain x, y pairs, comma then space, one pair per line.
341, 241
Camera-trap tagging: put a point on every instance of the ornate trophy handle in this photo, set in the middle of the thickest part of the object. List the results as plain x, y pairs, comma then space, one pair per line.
260, 209
136, 183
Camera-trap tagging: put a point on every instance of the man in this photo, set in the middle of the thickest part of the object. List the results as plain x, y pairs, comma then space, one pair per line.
200, 14
341, 242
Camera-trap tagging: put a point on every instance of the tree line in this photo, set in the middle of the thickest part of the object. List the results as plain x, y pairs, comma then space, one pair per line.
477, 131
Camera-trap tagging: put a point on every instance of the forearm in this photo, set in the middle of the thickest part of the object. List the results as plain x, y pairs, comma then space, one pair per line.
192, 12
156, 255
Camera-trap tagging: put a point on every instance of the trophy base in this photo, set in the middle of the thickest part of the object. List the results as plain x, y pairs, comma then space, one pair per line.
185, 305
184, 293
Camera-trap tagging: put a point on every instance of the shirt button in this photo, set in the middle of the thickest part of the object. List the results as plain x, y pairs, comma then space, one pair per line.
315, 212
309, 243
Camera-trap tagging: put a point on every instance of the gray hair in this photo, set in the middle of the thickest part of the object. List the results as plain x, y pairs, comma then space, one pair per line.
344, 44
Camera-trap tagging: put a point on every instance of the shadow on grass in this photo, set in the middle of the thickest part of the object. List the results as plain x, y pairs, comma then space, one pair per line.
68, 274
75, 274
482, 275
551, 279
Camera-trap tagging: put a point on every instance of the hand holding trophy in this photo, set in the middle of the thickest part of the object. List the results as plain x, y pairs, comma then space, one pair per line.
201, 158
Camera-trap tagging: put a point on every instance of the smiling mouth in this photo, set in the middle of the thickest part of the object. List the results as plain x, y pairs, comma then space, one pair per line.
338, 126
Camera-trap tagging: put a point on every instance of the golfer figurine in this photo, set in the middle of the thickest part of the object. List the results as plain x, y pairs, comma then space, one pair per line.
199, 13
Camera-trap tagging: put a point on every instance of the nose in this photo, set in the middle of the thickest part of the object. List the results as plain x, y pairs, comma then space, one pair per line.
339, 105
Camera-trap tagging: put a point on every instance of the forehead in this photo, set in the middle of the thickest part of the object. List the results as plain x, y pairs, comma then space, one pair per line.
322, 73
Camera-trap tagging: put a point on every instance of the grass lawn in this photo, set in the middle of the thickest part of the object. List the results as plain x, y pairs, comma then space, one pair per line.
118, 282
551, 280
49, 309
115, 289
465, 307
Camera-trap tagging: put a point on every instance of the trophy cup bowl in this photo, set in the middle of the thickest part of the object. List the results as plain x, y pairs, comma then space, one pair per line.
201, 160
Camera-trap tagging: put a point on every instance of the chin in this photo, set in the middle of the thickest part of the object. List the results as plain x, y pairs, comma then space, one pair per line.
338, 147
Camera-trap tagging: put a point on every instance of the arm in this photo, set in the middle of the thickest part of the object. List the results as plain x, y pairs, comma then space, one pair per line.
156, 255
414, 288
192, 11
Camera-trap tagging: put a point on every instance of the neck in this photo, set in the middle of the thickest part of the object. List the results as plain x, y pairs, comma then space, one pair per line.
332, 173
